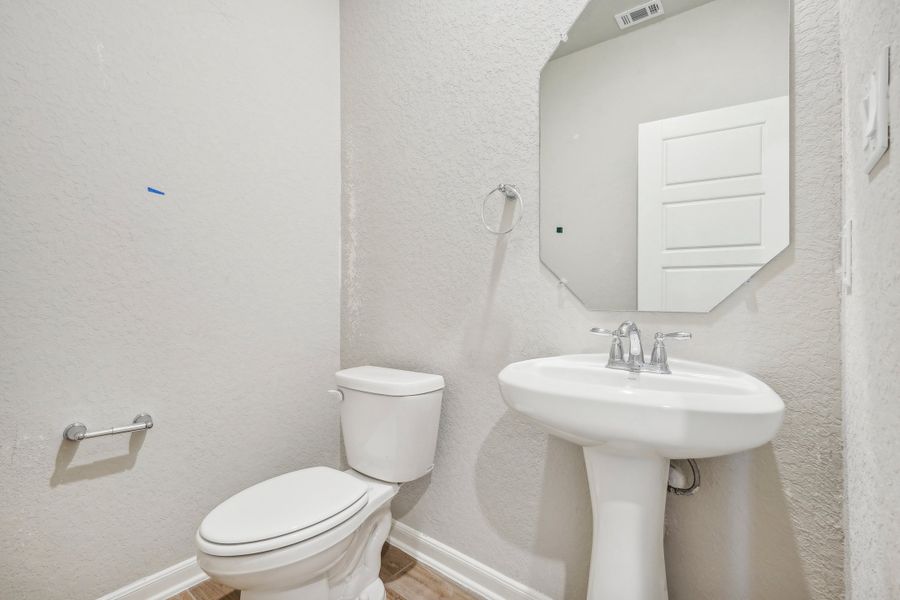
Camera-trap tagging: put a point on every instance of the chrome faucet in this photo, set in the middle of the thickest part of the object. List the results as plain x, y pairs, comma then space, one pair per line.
634, 360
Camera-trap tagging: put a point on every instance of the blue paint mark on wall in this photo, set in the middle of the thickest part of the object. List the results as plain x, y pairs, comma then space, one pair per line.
155, 191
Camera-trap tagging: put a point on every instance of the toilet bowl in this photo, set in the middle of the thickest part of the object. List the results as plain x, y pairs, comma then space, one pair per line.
317, 533
338, 557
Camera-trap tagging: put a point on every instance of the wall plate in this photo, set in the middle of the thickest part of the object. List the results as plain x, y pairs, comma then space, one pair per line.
874, 107
847, 257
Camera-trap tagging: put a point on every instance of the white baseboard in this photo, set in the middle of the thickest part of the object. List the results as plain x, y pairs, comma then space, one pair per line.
462, 570
162, 585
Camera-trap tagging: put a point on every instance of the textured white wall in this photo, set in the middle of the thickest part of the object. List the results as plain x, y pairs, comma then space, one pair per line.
871, 327
215, 308
719, 54
439, 103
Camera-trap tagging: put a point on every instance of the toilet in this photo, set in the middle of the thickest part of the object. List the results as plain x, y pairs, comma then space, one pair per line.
317, 533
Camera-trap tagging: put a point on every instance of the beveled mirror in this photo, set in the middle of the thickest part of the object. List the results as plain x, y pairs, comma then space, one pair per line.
665, 170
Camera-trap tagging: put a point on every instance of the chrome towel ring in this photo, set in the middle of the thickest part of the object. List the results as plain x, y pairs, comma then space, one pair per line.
511, 192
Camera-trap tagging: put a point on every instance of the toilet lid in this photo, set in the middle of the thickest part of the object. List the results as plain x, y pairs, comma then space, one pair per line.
283, 505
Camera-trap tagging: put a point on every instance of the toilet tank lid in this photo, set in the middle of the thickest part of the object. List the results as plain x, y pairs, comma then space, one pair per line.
388, 382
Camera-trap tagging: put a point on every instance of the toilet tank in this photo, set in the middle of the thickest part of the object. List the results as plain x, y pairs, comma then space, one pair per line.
389, 419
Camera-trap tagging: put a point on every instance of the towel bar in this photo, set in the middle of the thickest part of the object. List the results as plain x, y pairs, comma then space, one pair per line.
78, 431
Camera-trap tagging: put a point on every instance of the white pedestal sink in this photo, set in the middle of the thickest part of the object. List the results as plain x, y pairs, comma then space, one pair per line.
630, 425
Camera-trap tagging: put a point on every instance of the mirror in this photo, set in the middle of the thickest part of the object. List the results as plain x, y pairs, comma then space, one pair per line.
665, 151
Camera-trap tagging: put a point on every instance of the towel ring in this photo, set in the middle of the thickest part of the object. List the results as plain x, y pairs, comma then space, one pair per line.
512, 193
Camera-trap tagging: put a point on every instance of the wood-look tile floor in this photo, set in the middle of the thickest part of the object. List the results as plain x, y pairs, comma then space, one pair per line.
208, 590
404, 579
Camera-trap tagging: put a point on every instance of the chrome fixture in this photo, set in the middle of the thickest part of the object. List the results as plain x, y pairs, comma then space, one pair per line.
635, 356
615, 349
659, 357
695, 481
511, 193
78, 431
633, 360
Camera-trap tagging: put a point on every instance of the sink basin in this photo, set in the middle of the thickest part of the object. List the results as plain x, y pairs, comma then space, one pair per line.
698, 411
630, 425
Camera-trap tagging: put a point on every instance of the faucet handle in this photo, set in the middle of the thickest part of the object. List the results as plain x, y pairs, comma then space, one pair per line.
601, 331
615, 349
659, 358
675, 335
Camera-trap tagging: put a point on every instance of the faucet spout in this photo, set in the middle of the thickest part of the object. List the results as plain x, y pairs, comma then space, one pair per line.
635, 356
633, 360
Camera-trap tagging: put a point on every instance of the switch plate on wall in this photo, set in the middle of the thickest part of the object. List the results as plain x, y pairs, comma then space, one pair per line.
874, 107
847, 257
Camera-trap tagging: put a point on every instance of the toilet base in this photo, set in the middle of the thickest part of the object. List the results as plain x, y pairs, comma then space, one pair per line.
373, 591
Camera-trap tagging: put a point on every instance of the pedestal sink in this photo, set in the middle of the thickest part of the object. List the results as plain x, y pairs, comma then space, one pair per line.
630, 425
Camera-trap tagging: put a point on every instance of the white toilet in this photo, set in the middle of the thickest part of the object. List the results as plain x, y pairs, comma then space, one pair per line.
317, 533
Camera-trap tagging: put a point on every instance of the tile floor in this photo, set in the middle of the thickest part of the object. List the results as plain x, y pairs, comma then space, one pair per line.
208, 590
404, 578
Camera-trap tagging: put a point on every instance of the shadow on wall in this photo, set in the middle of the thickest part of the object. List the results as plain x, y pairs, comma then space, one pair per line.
541, 481
741, 509
486, 326
409, 496
65, 473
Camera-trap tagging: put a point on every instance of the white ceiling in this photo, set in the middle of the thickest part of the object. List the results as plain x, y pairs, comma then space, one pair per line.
597, 22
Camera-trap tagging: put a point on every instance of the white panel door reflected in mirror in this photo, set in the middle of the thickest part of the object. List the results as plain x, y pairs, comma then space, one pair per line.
665, 152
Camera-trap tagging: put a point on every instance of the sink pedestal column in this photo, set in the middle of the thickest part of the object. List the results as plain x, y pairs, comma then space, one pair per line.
628, 496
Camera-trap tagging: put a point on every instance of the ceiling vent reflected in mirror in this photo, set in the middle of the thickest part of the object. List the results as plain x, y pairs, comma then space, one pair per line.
602, 20
638, 14
665, 171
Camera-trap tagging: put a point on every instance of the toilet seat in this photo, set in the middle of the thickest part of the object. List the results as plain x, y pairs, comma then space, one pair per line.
282, 511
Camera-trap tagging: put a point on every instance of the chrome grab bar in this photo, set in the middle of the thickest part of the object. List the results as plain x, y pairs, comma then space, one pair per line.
78, 431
